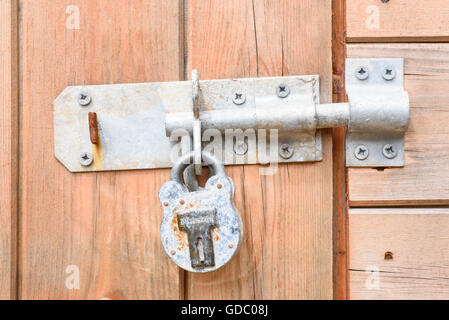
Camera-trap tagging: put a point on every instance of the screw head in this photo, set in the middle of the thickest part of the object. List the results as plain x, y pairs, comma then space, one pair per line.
361, 152
385, 1
283, 90
362, 73
238, 97
389, 151
389, 73
286, 151
84, 98
86, 159
240, 147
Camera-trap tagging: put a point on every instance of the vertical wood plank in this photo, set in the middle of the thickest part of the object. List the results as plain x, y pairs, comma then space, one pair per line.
9, 147
341, 288
287, 249
104, 225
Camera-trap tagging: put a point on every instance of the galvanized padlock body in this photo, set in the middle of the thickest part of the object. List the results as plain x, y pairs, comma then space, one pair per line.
201, 230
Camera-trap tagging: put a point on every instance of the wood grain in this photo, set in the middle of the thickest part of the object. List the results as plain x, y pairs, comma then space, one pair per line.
425, 178
417, 240
287, 249
339, 153
398, 20
106, 224
9, 147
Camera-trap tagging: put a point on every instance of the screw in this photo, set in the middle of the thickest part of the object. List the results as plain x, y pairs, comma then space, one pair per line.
385, 1
389, 151
361, 152
239, 97
86, 159
389, 73
283, 90
240, 147
362, 73
286, 151
230, 245
84, 98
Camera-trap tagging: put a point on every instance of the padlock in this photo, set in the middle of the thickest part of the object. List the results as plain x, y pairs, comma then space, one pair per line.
201, 229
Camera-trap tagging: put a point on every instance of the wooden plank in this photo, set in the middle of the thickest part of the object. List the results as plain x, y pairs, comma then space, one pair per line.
9, 146
103, 225
399, 253
339, 153
287, 249
424, 179
398, 20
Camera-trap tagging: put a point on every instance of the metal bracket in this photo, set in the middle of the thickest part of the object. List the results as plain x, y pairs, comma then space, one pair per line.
379, 112
240, 121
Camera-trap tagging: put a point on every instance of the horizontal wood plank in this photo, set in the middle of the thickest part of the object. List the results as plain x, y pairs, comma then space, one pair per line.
399, 253
397, 20
425, 178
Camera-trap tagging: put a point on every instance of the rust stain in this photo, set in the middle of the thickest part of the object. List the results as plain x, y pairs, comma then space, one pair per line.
178, 234
98, 156
216, 234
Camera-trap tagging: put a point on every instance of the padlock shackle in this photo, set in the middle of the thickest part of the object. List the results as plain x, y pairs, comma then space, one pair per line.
186, 160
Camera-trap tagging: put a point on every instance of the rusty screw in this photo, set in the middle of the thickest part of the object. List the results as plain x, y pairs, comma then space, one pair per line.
84, 98
283, 90
362, 73
239, 97
388, 255
86, 159
286, 151
361, 152
389, 151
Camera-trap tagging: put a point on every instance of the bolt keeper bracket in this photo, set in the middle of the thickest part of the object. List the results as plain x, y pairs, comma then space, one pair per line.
241, 121
379, 112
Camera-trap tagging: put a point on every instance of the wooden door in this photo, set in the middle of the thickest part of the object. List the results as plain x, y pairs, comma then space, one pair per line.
96, 235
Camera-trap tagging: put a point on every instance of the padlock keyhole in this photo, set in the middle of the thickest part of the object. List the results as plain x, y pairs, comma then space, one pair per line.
200, 247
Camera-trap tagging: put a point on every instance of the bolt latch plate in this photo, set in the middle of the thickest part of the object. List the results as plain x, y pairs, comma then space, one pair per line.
379, 112
132, 128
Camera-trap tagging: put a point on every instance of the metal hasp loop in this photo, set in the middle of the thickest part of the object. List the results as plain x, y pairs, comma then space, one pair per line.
196, 122
379, 112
